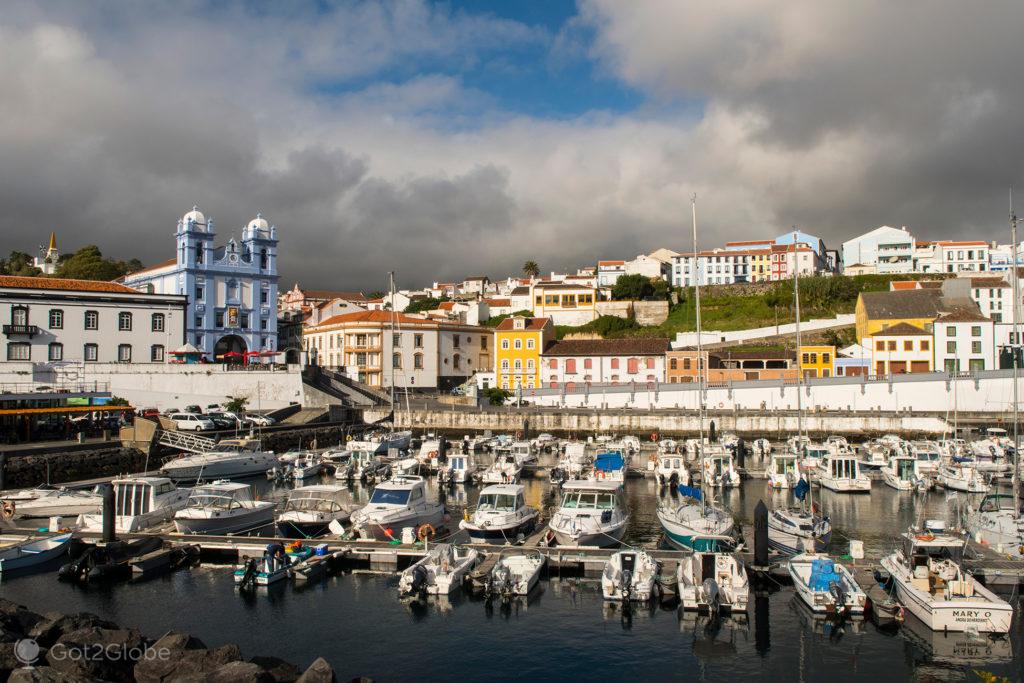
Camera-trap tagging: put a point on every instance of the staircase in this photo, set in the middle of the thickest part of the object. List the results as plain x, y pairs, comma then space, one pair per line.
342, 389
305, 416
185, 441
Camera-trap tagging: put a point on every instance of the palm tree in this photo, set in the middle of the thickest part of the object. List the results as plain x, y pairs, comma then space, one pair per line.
531, 269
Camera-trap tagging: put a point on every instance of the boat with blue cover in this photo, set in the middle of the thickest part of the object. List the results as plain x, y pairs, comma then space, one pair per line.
826, 586
609, 466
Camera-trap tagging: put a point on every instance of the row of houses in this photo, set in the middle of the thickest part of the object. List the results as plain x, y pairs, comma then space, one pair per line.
895, 250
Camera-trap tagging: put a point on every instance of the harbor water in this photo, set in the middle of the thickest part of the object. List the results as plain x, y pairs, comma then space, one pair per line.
564, 631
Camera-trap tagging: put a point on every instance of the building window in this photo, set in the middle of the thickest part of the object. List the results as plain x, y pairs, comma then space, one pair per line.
518, 364
950, 330
156, 353
806, 359
417, 361
19, 315
57, 319
396, 361
976, 347
263, 324
92, 320
951, 347
530, 343
19, 351
880, 346
264, 296
826, 358
926, 345
457, 361
264, 260
396, 339
673, 364
455, 340
158, 322
56, 351
91, 352
504, 365
483, 343
615, 363
124, 321
976, 330
908, 344
504, 344
245, 321
892, 344
124, 353
218, 319
199, 292
417, 341
588, 363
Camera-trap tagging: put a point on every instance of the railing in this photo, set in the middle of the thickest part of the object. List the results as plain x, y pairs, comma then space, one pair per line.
185, 441
30, 330
55, 388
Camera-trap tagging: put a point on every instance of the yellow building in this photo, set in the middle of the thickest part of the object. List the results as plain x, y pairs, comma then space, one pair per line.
817, 361
518, 343
565, 304
760, 265
879, 311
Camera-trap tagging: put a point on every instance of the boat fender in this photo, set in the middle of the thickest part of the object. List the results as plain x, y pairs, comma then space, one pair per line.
426, 532
654, 436
9, 509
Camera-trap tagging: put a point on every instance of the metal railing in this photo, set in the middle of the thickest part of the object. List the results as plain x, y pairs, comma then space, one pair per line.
185, 441
30, 330
55, 388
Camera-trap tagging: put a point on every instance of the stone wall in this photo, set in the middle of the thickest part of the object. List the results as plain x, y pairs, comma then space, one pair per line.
23, 471
646, 312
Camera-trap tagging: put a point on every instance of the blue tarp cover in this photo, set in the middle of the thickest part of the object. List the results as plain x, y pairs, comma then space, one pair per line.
608, 462
690, 491
823, 574
801, 489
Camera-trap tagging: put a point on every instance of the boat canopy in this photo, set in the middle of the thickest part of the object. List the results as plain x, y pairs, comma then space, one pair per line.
690, 492
609, 462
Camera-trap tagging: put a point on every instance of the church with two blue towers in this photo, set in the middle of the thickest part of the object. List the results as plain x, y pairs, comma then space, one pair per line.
231, 289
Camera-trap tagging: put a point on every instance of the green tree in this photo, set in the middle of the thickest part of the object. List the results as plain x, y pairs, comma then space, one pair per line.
531, 269
235, 404
632, 288
88, 263
118, 401
495, 320
18, 263
428, 304
497, 396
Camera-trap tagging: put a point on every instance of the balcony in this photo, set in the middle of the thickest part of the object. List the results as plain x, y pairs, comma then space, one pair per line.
29, 330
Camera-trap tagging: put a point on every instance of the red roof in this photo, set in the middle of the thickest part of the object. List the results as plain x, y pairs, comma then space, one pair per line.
611, 263
958, 243
15, 282
508, 324
498, 302
155, 266
384, 318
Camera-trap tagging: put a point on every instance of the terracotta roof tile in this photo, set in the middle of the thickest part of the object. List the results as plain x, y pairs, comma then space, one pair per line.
15, 282
531, 324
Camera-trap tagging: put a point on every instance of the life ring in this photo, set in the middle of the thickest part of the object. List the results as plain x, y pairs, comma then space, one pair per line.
654, 436
432, 454
9, 509
721, 404
426, 532
348, 438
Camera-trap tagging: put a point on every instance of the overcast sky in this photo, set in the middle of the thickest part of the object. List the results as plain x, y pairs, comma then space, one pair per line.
444, 139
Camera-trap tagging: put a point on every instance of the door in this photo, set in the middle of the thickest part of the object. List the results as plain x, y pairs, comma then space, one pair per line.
919, 366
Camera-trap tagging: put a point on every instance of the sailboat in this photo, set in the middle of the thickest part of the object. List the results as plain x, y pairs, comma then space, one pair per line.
690, 524
791, 529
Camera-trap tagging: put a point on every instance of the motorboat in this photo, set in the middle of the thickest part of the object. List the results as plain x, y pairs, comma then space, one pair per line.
294, 455
627, 445
309, 511
524, 453
367, 466
987, 449
231, 458
694, 448
263, 571
783, 471
961, 477
902, 473
223, 507
307, 467
875, 455
394, 441
839, 443
713, 580
729, 441
63, 502
504, 470
501, 515
720, 470
574, 463
165, 559
396, 504
826, 586
544, 442
692, 521
429, 452
140, 503
34, 553
672, 470
998, 525
840, 472
457, 469
25, 495
762, 447
796, 530
107, 561
668, 446
933, 585
630, 576
440, 572
514, 575
815, 453
928, 456
609, 466
591, 513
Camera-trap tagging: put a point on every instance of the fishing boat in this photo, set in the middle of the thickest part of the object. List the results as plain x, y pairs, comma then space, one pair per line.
396, 504
591, 513
458, 469
514, 575
840, 472
826, 586
672, 470
307, 467
935, 588
689, 523
263, 571
34, 553
961, 477
720, 469
501, 515
762, 447
783, 471
440, 572
523, 453
713, 580
140, 503
223, 507
998, 523
63, 502
504, 470
902, 473
630, 576
232, 458
309, 511
610, 466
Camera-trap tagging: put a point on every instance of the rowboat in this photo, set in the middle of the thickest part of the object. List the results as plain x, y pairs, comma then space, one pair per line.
33, 552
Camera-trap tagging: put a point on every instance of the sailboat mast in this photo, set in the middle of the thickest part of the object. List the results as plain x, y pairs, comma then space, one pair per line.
1015, 345
800, 374
700, 375
391, 344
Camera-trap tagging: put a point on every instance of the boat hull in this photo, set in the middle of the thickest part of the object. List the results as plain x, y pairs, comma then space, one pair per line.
23, 557
500, 535
391, 530
250, 521
602, 539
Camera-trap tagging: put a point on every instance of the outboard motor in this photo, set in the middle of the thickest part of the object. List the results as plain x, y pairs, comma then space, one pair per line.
251, 570
419, 581
77, 570
712, 594
838, 594
628, 568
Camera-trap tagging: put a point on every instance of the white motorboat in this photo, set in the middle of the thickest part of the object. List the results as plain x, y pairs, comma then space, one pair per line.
294, 455
609, 466
429, 451
523, 453
713, 580
826, 586
783, 471
672, 470
902, 473
307, 467
140, 503
231, 458
367, 466
24, 556
396, 504
795, 530
839, 443
309, 511
630, 576
840, 472
762, 447
515, 574
591, 513
504, 470
815, 453
223, 507
544, 442
720, 469
928, 455
440, 572
876, 455
501, 515
458, 469
262, 571
931, 583
998, 525
668, 446
987, 449
25, 495
574, 463
962, 477
694, 447
690, 522
63, 502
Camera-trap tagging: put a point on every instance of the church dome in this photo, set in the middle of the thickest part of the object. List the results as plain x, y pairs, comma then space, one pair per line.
195, 215
259, 223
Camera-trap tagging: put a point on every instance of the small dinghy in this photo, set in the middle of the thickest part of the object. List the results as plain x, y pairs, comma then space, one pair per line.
317, 564
23, 557
826, 586
263, 571
107, 562
514, 575
439, 573
307, 467
630, 576
713, 580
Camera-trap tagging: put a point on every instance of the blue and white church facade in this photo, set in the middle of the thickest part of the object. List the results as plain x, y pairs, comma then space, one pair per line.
232, 290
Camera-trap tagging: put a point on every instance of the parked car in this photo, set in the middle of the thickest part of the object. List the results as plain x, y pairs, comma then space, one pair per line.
194, 409
213, 408
222, 420
190, 422
260, 420
149, 412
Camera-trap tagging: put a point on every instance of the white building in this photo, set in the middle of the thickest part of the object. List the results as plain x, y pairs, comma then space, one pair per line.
565, 304
609, 272
951, 256
575, 362
964, 341
48, 258
716, 267
649, 266
889, 250
50, 320
901, 349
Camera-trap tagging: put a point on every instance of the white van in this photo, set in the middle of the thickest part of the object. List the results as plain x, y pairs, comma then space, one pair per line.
190, 422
